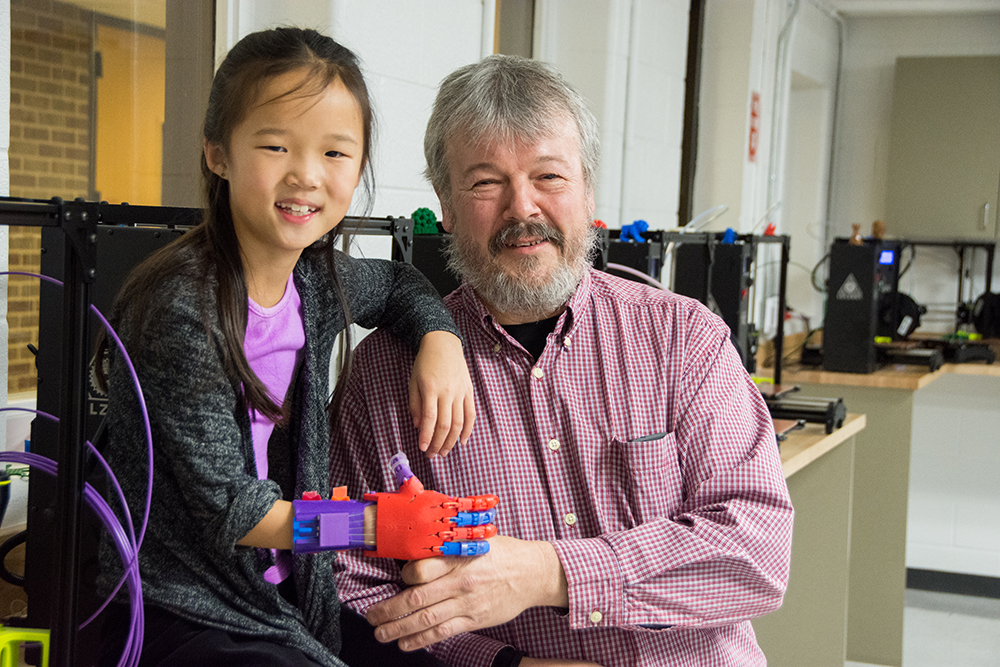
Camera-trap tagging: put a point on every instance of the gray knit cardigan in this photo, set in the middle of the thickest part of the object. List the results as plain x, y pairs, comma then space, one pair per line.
206, 495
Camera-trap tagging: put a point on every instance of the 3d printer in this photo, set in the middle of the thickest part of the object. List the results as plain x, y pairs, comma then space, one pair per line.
90, 247
869, 322
718, 270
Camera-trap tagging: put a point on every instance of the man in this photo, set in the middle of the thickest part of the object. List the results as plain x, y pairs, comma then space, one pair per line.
643, 515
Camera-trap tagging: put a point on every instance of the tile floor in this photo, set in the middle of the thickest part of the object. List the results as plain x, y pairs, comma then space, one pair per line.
945, 630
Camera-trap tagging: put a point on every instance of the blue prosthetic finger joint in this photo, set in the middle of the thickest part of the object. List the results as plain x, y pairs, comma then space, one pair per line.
474, 518
325, 525
463, 548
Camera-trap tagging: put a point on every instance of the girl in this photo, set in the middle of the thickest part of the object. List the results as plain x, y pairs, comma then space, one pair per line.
231, 329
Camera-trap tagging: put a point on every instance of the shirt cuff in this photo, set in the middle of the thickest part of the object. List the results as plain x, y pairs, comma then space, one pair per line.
468, 648
595, 582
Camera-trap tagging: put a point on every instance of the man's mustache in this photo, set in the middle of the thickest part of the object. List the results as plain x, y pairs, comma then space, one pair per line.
519, 230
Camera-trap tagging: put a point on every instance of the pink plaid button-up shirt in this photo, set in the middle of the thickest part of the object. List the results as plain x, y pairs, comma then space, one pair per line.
636, 444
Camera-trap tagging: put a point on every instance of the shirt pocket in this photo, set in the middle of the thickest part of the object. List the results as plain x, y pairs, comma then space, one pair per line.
652, 475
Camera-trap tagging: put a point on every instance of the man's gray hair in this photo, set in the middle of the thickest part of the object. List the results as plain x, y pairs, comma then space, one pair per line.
506, 98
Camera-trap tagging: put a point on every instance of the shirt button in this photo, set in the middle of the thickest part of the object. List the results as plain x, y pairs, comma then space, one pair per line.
496, 348
537, 372
596, 617
553, 445
567, 341
570, 519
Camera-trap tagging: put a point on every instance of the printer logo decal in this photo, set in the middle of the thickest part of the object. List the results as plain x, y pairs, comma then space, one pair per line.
850, 290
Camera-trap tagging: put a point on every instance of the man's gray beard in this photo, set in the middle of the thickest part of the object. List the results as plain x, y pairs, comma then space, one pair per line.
507, 294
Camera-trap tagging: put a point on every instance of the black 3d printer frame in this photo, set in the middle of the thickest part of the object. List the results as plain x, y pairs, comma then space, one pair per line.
79, 221
960, 246
711, 239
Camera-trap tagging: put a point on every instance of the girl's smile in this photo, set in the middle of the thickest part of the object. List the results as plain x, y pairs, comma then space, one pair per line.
297, 212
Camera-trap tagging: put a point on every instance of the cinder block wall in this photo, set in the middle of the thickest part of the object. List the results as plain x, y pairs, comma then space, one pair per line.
51, 46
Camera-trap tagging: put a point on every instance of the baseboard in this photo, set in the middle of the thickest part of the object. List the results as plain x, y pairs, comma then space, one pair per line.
953, 582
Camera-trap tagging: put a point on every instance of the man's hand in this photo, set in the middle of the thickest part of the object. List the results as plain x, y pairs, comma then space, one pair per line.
441, 397
449, 596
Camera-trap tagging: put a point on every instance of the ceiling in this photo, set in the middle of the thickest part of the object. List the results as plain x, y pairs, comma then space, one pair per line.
910, 7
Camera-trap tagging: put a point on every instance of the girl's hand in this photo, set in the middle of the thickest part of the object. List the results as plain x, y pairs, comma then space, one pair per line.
441, 398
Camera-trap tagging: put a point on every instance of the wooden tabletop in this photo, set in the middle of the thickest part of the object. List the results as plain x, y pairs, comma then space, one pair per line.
804, 446
991, 370
897, 376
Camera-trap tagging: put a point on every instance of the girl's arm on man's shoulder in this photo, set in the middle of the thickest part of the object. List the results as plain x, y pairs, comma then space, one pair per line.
396, 296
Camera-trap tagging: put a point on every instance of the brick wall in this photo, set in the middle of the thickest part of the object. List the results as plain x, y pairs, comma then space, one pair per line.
49, 155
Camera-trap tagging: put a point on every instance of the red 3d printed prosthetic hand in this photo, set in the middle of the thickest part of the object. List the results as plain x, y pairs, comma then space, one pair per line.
414, 523
411, 523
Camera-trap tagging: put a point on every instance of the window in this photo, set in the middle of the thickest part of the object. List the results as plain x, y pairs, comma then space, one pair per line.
95, 87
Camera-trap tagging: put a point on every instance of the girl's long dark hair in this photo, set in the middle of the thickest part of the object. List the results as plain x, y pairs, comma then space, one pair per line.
210, 252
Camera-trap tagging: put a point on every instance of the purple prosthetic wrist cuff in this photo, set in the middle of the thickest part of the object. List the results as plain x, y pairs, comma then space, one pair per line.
325, 525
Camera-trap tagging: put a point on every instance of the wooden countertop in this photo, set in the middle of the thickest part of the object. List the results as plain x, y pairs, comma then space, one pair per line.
804, 446
991, 370
898, 376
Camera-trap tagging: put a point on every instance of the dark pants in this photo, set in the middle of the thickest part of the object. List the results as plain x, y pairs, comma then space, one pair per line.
171, 641
361, 649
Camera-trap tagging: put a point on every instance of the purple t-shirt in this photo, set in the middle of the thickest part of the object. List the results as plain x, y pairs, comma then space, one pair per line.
273, 345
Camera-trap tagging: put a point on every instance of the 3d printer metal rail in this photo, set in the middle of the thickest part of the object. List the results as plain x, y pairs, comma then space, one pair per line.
78, 220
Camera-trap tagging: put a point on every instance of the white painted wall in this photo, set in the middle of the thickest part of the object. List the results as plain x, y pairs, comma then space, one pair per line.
628, 59
796, 78
588, 41
805, 170
872, 46
406, 47
415, 46
954, 476
728, 79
